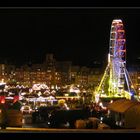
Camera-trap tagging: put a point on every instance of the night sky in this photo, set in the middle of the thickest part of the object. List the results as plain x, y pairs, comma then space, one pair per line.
77, 35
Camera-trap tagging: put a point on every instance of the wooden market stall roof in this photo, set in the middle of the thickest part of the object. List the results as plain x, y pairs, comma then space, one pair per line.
122, 105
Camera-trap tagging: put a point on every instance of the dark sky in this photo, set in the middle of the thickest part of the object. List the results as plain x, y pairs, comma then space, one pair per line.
79, 35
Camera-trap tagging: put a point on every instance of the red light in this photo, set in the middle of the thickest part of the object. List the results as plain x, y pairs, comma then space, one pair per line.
2, 99
16, 98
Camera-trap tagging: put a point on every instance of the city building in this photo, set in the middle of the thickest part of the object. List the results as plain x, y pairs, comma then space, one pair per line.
134, 72
55, 74
64, 69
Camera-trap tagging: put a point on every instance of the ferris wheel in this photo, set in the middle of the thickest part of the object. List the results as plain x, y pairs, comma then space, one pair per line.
116, 80
117, 56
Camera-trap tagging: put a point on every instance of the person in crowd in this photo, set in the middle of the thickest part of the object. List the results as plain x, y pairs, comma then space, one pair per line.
3, 116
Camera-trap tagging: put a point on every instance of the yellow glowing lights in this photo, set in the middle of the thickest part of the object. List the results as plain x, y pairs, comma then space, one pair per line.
109, 58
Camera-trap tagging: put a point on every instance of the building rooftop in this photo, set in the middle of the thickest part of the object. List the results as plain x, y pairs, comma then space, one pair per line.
122, 105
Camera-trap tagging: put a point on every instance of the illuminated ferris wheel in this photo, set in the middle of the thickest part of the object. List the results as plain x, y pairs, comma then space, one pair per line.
116, 80
117, 56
